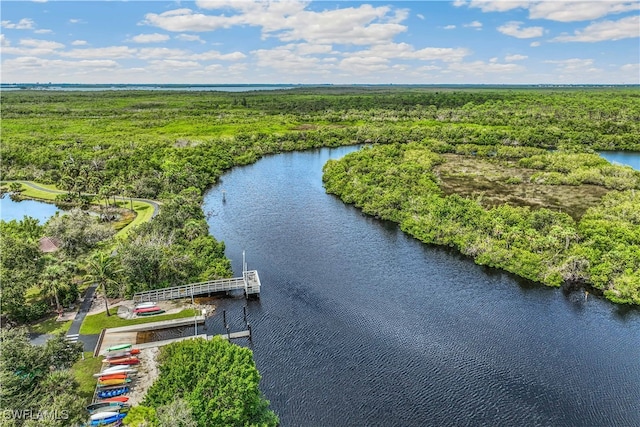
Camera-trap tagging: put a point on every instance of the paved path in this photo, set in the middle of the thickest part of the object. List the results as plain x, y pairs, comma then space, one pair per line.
89, 341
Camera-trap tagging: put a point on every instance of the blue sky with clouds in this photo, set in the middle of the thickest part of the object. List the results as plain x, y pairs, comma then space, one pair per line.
242, 41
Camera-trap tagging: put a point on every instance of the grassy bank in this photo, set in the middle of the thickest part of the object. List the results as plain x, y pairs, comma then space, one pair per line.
94, 323
83, 371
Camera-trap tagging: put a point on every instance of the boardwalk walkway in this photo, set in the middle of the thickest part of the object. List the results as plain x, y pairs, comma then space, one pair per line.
249, 282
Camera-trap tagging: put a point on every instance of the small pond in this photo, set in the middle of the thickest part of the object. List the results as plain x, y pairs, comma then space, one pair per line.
10, 209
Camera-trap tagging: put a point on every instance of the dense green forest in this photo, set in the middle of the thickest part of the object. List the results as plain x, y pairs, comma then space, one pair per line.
455, 143
210, 383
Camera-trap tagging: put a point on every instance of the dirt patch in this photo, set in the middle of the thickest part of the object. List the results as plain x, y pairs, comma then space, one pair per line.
499, 183
147, 374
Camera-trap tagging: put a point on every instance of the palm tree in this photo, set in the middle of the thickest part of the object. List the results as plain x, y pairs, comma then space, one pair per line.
55, 278
103, 270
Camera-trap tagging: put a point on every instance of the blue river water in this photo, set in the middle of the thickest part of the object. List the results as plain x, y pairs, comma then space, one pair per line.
361, 325
622, 158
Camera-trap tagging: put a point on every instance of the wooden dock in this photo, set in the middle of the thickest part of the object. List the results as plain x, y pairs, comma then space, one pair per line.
249, 283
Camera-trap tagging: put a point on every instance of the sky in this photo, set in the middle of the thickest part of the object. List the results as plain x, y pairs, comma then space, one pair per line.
324, 42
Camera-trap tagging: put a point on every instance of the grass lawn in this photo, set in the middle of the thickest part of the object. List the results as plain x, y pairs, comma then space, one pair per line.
94, 324
50, 326
83, 371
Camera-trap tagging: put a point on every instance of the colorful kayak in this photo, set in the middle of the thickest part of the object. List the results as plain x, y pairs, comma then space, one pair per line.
122, 369
121, 399
124, 361
121, 353
95, 408
145, 305
147, 309
150, 313
119, 347
110, 420
115, 381
113, 377
112, 392
102, 415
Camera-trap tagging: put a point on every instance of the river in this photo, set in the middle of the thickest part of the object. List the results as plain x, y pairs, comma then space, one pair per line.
360, 325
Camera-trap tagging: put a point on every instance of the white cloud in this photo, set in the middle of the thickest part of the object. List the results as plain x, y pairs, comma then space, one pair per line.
570, 11
480, 67
150, 38
421, 16
492, 5
185, 55
534, 44
76, 21
111, 52
364, 64
172, 64
33, 47
3, 41
554, 10
189, 38
605, 30
406, 51
288, 61
27, 62
474, 24
573, 64
43, 31
449, 27
79, 43
513, 29
23, 24
40, 44
631, 67
290, 21
516, 57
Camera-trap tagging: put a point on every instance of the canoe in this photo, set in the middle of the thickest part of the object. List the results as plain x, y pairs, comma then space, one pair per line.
122, 369
146, 309
105, 378
125, 361
145, 305
121, 353
98, 405
121, 399
119, 347
112, 392
115, 381
150, 313
109, 420
102, 415
112, 406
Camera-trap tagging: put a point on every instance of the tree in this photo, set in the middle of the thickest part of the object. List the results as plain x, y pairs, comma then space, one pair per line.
55, 278
103, 270
78, 231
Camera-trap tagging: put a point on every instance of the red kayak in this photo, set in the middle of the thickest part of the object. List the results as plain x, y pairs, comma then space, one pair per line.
125, 361
122, 399
147, 309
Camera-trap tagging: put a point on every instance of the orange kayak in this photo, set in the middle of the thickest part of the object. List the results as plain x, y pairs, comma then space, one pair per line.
115, 381
122, 399
113, 377
124, 361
